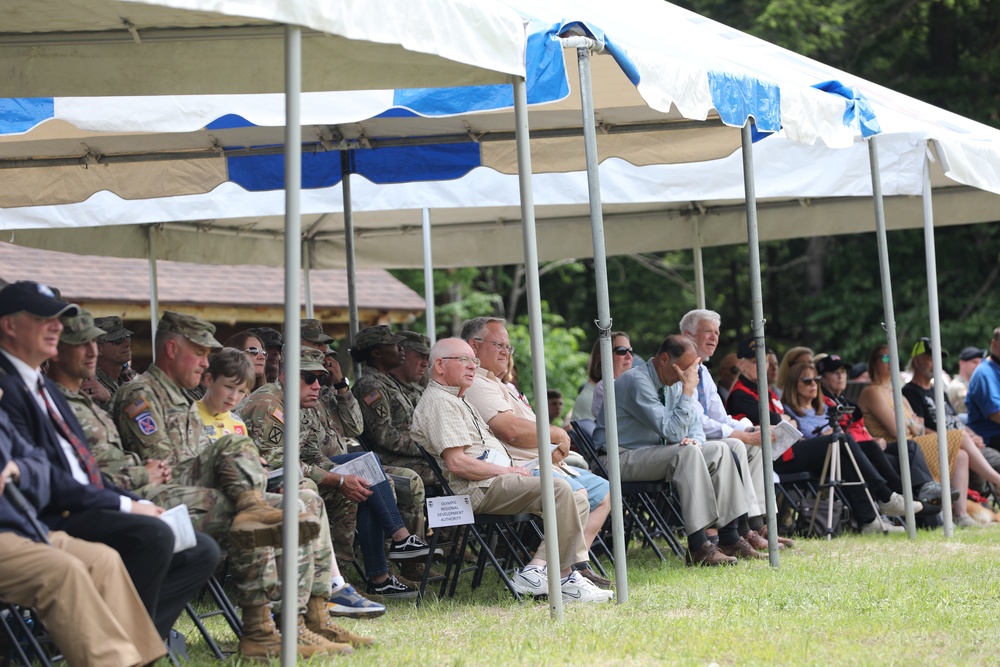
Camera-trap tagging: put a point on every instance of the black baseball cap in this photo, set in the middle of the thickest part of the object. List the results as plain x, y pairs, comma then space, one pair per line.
970, 353
747, 349
34, 298
830, 364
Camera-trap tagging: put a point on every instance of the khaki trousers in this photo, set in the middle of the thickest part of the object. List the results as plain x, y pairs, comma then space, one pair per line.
84, 596
514, 494
705, 477
752, 473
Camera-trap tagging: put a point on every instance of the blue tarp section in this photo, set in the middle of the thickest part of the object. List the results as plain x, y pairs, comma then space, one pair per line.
859, 110
738, 97
20, 114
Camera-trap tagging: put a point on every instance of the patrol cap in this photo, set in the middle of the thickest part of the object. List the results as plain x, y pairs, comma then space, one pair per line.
195, 329
923, 346
114, 329
268, 336
312, 331
311, 359
377, 335
747, 349
79, 329
419, 343
34, 298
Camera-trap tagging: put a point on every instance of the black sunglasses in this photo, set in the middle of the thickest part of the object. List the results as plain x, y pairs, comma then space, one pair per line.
311, 378
621, 350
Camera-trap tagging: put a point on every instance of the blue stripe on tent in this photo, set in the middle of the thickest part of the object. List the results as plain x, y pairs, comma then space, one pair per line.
20, 114
229, 121
737, 97
402, 164
546, 83
859, 110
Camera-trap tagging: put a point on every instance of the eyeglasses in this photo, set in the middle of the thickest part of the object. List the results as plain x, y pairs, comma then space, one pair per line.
885, 358
621, 350
807, 380
256, 352
465, 360
497, 345
121, 341
311, 378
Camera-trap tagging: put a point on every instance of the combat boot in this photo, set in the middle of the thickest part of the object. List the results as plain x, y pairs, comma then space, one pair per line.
260, 637
311, 643
257, 524
318, 620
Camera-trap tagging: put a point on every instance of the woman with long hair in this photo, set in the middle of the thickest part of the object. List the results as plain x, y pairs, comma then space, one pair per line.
795, 355
249, 344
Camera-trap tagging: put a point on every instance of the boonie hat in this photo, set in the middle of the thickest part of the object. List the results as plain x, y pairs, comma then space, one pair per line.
34, 298
79, 329
114, 329
195, 329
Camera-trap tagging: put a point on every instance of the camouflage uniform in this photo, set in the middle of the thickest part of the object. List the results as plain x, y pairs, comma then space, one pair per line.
340, 418
156, 421
114, 329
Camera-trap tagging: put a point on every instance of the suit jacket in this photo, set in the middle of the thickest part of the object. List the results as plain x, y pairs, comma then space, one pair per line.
37, 428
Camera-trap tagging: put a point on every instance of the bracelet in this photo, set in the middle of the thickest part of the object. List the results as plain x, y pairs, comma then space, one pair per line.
341, 482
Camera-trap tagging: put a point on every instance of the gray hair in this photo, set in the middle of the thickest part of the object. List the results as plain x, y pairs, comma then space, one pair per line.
475, 327
689, 323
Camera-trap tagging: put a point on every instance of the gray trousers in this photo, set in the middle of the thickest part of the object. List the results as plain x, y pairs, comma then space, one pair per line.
705, 477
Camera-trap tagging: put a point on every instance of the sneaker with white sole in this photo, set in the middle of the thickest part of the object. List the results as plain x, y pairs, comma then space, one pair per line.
531, 580
576, 588
880, 525
411, 547
896, 505
391, 588
346, 601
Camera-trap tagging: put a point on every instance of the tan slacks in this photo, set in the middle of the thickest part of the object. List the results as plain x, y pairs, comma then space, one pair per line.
752, 473
84, 596
514, 494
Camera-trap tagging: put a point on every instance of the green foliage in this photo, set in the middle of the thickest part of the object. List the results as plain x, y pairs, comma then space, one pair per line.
566, 353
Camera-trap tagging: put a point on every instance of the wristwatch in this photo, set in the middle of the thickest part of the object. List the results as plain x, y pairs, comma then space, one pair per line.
343, 384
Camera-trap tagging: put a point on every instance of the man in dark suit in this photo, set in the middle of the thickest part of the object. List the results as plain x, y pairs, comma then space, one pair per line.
165, 581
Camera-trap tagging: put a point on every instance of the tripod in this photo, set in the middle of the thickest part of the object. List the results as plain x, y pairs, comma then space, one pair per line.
832, 465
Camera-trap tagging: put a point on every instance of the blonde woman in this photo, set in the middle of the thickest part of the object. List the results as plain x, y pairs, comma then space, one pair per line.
795, 355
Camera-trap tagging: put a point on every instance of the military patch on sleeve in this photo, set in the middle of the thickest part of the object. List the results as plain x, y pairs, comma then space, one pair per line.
146, 423
381, 410
278, 415
371, 397
239, 429
139, 406
274, 435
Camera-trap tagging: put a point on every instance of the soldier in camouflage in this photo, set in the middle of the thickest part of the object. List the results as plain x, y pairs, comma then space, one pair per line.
157, 422
114, 350
377, 514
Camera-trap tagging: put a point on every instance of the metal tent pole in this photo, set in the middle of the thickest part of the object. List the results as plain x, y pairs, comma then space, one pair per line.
292, 333
429, 278
603, 317
154, 288
306, 278
932, 302
352, 270
890, 331
757, 303
699, 267
537, 345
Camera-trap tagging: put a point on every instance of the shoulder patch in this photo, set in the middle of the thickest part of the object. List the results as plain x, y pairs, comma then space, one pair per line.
146, 423
371, 397
138, 406
274, 435
239, 429
278, 415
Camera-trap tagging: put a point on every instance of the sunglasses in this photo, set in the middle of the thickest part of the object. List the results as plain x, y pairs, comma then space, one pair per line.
621, 350
311, 378
807, 380
885, 358
121, 341
465, 360
255, 352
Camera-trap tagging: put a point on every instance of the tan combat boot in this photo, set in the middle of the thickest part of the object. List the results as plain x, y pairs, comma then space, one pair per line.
257, 524
260, 638
311, 643
319, 621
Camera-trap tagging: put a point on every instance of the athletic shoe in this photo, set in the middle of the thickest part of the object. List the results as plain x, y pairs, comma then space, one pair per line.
575, 588
880, 525
392, 588
531, 580
346, 601
411, 547
965, 521
896, 506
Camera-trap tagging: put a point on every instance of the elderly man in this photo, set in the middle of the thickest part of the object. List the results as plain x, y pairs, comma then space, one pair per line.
661, 439
114, 350
983, 399
477, 464
968, 360
512, 420
29, 335
740, 435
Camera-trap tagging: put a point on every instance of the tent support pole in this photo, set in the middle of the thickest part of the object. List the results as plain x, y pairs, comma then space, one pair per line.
932, 302
890, 331
292, 333
757, 303
306, 278
603, 322
352, 269
429, 277
537, 345
154, 288
699, 267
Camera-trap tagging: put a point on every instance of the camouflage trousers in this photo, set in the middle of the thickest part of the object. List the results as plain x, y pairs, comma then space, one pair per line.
230, 464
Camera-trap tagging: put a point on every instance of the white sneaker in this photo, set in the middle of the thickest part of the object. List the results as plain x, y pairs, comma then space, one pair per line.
579, 589
531, 580
879, 525
896, 506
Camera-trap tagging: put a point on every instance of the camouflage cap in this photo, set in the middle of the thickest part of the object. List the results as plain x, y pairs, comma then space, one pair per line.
419, 343
378, 335
312, 331
195, 329
114, 329
79, 329
268, 336
311, 360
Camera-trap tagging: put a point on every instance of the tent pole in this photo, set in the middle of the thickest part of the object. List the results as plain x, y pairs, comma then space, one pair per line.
429, 278
154, 289
699, 267
603, 321
292, 333
537, 345
890, 330
352, 271
757, 303
306, 279
935, 313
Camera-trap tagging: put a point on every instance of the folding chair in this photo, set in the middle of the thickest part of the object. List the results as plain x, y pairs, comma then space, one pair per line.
23, 630
641, 501
223, 607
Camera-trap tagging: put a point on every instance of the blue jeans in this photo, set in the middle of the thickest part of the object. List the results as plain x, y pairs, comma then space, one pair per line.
597, 487
378, 517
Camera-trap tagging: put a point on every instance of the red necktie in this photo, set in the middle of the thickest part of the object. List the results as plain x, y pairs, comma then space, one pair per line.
82, 452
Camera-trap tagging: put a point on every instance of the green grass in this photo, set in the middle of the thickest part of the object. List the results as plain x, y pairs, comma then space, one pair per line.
874, 600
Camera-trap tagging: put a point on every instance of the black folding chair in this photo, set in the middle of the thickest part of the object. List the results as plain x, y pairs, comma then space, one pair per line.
223, 607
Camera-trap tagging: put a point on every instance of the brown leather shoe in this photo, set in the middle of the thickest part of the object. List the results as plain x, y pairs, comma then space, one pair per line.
758, 542
786, 541
709, 554
741, 549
